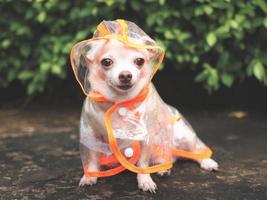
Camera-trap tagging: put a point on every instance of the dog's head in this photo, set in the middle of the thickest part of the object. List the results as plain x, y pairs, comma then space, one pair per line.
117, 71
114, 69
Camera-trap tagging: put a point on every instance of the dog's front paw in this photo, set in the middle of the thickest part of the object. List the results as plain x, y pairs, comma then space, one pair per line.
164, 173
209, 164
146, 183
87, 180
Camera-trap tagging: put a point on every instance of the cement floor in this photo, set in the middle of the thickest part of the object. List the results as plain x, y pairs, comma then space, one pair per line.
39, 159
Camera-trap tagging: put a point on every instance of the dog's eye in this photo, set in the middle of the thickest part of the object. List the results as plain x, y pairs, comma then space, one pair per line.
106, 62
139, 62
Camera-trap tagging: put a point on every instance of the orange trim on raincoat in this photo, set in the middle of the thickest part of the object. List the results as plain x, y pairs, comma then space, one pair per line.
200, 154
108, 160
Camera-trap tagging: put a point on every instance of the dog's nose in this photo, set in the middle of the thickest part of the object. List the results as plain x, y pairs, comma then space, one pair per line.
125, 76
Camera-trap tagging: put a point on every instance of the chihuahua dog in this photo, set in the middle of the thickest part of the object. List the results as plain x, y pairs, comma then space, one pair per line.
120, 73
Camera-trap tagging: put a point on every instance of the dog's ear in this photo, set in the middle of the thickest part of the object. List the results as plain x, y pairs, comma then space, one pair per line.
95, 47
148, 41
152, 52
83, 55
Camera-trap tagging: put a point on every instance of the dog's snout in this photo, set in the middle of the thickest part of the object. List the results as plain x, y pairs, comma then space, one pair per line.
125, 76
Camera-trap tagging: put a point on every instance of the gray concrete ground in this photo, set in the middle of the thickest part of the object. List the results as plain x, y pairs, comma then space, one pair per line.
39, 159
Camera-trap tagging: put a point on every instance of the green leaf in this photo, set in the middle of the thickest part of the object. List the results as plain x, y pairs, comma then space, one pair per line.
223, 60
227, 80
250, 67
29, 14
41, 17
66, 49
202, 76
25, 75
262, 4
45, 66
151, 19
210, 76
6, 43
211, 39
136, 5
259, 71
107, 2
31, 88
195, 59
213, 79
56, 69
81, 35
208, 10
94, 11
25, 51
12, 74
169, 35
161, 2
233, 24
265, 22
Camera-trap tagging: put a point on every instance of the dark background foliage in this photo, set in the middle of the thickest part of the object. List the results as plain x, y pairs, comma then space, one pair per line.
211, 45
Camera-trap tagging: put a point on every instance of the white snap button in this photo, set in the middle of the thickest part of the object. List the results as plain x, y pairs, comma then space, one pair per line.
128, 152
122, 111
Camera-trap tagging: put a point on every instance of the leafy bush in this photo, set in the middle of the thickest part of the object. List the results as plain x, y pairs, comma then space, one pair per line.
220, 41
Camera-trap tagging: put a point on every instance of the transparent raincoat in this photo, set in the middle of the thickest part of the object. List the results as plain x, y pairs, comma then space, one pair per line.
142, 122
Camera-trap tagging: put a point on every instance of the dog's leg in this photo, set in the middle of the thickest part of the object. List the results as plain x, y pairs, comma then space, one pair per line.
92, 166
145, 181
185, 138
164, 172
208, 164
87, 133
159, 160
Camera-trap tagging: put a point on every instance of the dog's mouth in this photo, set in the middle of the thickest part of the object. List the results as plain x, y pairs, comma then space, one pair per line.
125, 86
121, 87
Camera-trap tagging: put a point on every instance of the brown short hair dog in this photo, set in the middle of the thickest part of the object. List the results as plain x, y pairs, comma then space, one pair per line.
115, 68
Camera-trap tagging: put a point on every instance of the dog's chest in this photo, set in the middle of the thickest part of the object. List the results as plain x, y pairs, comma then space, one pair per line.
130, 123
